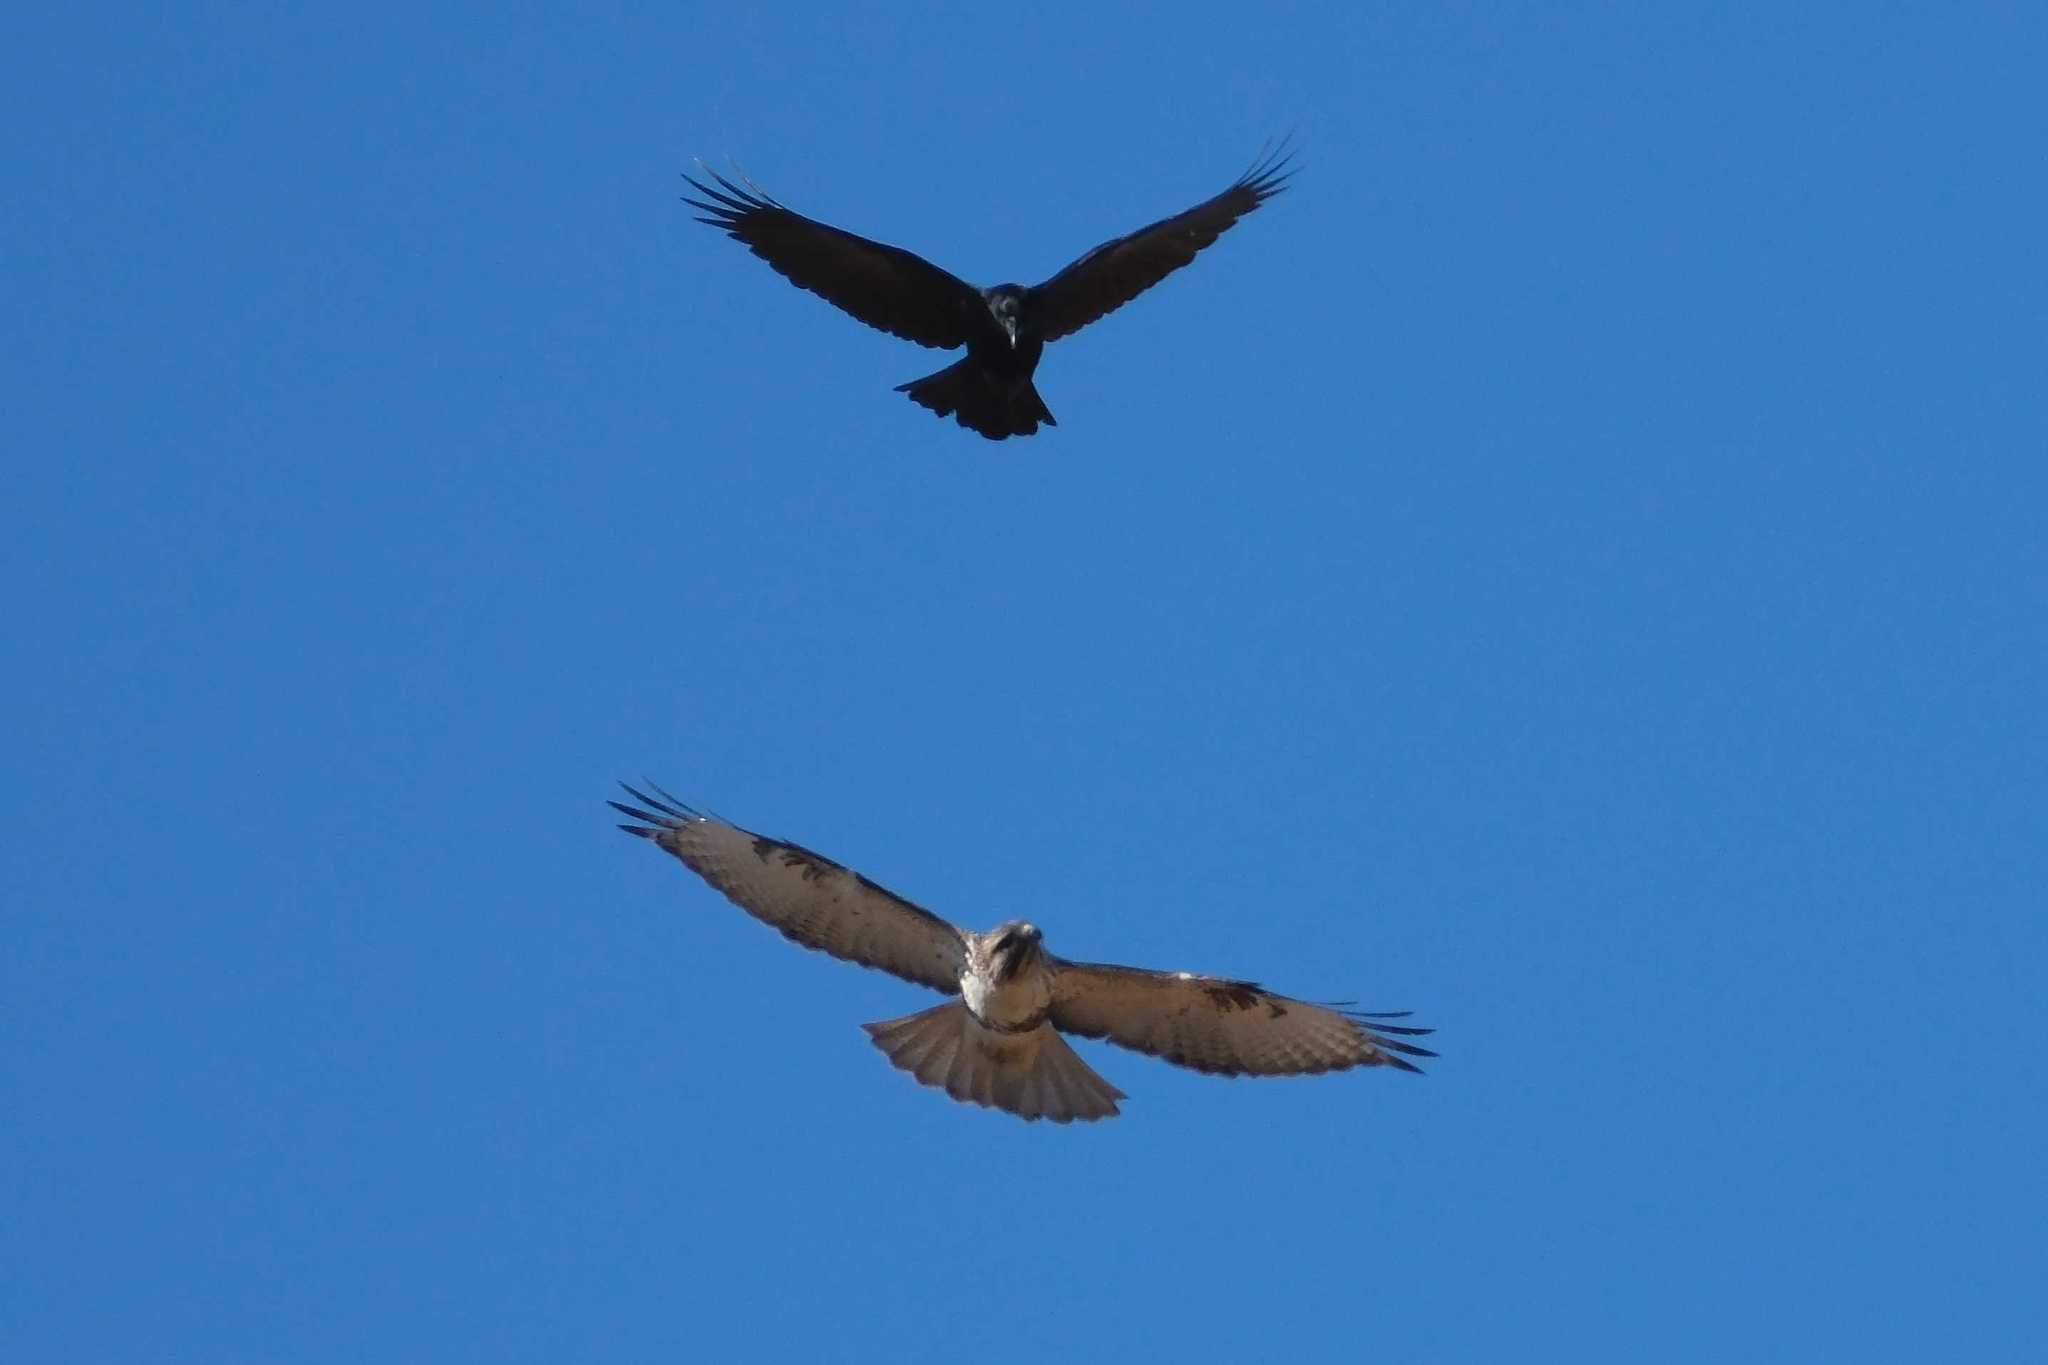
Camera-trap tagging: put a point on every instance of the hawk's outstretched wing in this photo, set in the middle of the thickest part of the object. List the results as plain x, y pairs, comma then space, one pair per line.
1229, 1028
884, 286
807, 896
1116, 272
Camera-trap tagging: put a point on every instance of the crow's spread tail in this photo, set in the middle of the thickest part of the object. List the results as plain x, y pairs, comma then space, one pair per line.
995, 406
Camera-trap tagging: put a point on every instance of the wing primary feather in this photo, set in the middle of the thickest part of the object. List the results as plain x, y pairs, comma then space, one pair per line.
724, 202
1404, 1031
1409, 1048
1268, 174
656, 802
746, 191
1375, 1019
671, 810
636, 813
681, 806
727, 210
1373, 1025
753, 185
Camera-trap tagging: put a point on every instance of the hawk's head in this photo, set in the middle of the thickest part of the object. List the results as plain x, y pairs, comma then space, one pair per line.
1012, 948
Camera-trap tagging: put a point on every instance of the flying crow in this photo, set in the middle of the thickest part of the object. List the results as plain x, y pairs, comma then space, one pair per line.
1004, 328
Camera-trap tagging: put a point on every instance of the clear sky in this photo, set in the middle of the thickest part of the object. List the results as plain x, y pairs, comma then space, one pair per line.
1573, 566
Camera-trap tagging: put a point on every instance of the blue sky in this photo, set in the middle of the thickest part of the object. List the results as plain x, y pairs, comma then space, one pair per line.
1572, 566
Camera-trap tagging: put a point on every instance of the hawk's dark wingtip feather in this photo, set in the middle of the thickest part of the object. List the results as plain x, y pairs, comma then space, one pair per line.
671, 810
1408, 1048
1373, 1024
1375, 1020
681, 807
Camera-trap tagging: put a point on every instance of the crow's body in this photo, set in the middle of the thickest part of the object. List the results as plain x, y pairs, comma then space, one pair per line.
989, 390
1005, 328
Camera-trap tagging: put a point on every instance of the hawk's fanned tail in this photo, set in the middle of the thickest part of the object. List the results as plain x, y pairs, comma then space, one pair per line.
1033, 1074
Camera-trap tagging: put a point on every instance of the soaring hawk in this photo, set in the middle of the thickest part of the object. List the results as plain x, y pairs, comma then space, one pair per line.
998, 1042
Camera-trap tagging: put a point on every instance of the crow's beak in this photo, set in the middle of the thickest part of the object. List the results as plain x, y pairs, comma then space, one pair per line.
1010, 326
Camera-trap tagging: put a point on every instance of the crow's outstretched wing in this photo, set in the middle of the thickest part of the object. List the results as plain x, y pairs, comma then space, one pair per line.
1229, 1028
808, 897
884, 286
1116, 272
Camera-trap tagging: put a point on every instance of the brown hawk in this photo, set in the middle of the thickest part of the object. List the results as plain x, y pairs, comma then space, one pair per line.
998, 1042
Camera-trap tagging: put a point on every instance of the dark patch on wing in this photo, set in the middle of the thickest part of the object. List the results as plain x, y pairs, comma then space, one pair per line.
1233, 995
1188, 1022
872, 885
889, 934
814, 866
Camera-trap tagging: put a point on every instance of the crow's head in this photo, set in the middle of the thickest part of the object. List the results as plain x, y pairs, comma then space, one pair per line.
1006, 301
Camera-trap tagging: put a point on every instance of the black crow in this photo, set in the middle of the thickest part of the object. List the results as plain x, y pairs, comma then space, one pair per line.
1005, 328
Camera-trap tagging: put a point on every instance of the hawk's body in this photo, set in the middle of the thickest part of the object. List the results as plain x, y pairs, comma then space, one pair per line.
998, 1041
